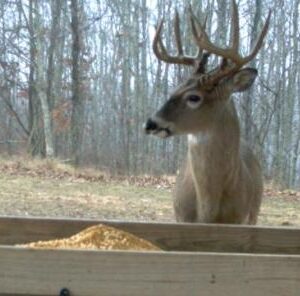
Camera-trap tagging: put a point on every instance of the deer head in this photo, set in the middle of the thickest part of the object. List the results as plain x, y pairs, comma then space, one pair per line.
197, 104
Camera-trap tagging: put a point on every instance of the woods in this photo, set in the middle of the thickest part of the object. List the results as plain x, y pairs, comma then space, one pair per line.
78, 79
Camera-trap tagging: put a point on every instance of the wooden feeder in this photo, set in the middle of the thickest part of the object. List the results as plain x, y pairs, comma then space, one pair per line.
201, 259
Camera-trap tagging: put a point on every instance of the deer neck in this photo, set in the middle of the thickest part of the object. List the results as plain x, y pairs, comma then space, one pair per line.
214, 154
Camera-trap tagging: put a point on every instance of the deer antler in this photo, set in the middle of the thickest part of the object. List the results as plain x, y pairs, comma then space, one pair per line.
231, 53
181, 58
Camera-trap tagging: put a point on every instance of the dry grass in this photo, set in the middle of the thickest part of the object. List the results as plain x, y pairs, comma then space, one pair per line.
49, 188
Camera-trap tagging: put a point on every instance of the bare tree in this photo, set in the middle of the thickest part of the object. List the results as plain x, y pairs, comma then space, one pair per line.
78, 104
78, 78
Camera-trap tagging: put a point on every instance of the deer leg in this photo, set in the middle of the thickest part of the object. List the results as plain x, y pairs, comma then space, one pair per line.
184, 198
253, 215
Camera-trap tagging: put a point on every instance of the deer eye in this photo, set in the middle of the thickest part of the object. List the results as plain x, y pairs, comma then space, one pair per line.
193, 101
194, 98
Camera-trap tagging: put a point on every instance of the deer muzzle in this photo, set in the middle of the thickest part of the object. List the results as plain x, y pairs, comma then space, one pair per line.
156, 127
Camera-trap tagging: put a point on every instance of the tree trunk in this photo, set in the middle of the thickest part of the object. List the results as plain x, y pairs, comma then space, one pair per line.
36, 140
78, 108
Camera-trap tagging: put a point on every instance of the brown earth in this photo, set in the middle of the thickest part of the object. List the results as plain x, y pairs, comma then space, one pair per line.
49, 188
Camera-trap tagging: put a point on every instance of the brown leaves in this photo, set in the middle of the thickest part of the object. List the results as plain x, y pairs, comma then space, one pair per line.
272, 191
159, 182
61, 116
54, 170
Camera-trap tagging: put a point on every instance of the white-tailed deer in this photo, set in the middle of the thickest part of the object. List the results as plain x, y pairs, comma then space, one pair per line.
221, 181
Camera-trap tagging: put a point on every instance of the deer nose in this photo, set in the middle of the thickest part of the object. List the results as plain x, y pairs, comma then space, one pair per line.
150, 126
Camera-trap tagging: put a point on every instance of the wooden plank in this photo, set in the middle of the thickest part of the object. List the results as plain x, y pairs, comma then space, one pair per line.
184, 237
90, 273
22, 294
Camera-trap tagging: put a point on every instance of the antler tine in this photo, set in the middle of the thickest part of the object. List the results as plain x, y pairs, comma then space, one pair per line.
161, 52
228, 71
231, 53
157, 42
204, 42
196, 27
200, 51
202, 63
177, 33
235, 32
260, 40
194, 30
202, 57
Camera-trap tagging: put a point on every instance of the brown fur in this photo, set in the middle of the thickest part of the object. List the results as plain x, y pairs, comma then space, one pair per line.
221, 180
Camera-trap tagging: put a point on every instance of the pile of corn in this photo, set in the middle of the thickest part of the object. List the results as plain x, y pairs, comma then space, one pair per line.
101, 237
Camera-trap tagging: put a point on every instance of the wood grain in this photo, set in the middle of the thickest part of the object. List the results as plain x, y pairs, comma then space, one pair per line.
183, 237
92, 273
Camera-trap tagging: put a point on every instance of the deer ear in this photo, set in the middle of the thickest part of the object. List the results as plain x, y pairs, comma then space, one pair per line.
243, 79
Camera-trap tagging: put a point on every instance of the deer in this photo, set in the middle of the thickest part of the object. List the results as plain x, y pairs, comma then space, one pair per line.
221, 179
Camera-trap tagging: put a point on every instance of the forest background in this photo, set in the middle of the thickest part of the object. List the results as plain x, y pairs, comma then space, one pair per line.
78, 79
